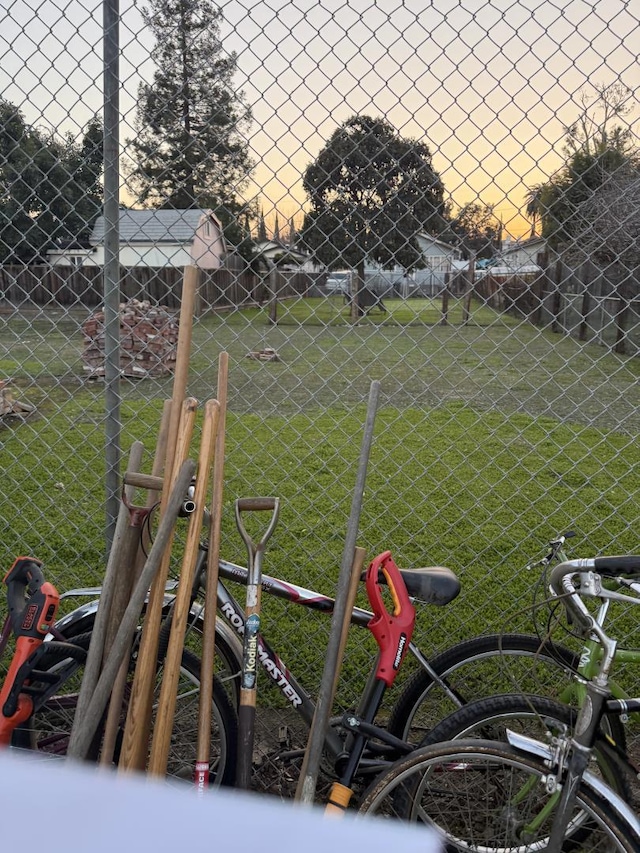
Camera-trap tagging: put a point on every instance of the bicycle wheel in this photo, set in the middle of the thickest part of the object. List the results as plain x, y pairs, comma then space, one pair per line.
537, 717
49, 727
228, 649
485, 797
473, 669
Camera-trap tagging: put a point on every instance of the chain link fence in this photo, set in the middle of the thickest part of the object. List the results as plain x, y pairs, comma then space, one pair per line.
444, 197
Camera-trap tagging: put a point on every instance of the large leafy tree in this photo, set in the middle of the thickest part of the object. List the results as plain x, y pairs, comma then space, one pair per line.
50, 189
371, 192
190, 148
475, 228
598, 145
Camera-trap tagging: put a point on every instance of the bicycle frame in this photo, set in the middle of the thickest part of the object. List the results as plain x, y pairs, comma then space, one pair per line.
591, 657
274, 666
569, 757
294, 693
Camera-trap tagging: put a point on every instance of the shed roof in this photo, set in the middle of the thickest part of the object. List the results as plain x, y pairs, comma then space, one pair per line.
152, 226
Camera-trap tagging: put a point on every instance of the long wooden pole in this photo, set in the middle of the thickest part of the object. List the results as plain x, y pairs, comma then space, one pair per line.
113, 580
181, 373
203, 747
138, 723
114, 714
122, 642
166, 706
137, 727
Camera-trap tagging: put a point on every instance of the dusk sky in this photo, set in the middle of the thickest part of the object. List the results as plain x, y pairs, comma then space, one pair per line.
488, 85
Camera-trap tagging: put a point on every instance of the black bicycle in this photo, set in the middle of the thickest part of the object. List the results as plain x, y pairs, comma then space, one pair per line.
451, 679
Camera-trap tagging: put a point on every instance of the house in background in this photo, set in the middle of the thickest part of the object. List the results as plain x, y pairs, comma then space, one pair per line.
521, 255
153, 238
281, 254
438, 255
442, 260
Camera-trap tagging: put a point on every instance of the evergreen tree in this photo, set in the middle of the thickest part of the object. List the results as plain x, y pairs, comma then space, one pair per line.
190, 148
262, 228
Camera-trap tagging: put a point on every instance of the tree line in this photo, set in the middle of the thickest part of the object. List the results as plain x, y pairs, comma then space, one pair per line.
590, 209
370, 190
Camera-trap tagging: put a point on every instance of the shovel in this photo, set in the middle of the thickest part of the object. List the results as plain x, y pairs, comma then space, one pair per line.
248, 691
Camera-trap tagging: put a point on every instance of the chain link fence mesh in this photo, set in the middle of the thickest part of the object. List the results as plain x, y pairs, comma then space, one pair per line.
443, 197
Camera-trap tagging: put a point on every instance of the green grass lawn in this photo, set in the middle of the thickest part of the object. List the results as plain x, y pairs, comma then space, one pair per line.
490, 438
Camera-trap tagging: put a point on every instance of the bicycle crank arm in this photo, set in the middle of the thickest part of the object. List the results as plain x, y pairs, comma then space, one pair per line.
357, 725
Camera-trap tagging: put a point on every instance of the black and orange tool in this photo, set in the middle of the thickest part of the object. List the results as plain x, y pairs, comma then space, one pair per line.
33, 604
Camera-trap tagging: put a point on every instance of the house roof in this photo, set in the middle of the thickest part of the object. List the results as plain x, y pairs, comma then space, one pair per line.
527, 243
429, 238
152, 226
274, 248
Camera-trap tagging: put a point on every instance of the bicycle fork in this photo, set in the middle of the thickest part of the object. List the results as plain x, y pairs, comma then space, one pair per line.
580, 749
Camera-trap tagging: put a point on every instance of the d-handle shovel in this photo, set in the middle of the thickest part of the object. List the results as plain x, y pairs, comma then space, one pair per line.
248, 691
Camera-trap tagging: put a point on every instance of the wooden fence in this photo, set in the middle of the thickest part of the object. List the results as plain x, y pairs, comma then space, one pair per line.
82, 287
584, 302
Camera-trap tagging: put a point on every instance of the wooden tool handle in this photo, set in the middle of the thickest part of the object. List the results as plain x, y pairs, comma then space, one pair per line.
137, 726
201, 774
166, 706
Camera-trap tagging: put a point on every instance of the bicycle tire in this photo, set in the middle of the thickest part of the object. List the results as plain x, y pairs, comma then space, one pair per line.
228, 652
483, 796
537, 717
483, 666
49, 727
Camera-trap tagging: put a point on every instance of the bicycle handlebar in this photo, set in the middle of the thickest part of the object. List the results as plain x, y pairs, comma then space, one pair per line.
612, 567
562, 584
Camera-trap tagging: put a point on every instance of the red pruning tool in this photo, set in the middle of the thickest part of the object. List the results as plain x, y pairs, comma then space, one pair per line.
33, 604
393, 632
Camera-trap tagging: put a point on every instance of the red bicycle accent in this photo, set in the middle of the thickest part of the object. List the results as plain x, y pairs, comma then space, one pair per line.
393, 631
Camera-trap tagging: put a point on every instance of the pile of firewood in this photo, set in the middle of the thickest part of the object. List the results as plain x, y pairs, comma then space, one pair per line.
266, 354
148, 341
10, 406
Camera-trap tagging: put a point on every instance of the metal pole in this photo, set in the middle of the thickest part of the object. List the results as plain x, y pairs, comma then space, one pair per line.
309, 776
111, 273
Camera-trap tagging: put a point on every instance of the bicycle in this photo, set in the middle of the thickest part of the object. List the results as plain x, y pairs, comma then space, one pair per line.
39, 696
490, 717
436, 586
526, 795
439, 674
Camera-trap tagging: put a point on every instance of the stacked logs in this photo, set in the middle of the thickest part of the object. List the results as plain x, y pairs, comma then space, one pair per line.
148, 341
9, 406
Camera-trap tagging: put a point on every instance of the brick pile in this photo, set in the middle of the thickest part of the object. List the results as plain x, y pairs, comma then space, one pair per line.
148, 341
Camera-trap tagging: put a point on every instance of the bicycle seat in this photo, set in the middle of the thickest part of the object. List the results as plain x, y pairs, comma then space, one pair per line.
434, 585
